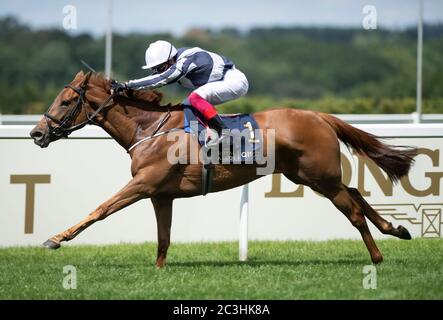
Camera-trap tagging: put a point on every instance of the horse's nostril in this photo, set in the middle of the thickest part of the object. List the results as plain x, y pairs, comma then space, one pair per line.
36, 135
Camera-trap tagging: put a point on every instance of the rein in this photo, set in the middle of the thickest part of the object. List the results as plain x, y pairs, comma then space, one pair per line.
156, 134
64, 128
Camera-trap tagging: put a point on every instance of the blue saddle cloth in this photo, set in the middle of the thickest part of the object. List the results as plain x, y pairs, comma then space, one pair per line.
245, 137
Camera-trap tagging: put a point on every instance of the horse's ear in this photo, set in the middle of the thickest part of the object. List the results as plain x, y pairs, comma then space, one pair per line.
86, 79
79, 74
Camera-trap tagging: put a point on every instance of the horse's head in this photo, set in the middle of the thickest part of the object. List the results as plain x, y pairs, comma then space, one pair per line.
65, 114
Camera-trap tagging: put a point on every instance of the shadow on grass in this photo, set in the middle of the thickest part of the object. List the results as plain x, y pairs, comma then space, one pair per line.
272, 263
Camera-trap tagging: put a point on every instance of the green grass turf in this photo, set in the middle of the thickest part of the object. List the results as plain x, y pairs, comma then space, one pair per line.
275, 270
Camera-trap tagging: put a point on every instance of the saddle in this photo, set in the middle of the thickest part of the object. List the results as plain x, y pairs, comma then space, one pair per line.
244, 141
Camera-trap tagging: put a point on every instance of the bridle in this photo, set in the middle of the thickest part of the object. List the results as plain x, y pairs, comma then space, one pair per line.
65, 127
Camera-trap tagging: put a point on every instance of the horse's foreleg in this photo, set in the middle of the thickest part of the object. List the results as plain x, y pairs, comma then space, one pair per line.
132, 192
163, 213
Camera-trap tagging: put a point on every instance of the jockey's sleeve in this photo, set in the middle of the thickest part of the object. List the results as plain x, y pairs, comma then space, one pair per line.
157, 80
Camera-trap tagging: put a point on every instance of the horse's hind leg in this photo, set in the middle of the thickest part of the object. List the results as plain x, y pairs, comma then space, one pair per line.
353, 210
335, 191
384, 226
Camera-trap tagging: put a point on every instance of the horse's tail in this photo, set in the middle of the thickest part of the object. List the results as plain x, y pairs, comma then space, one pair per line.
395, 162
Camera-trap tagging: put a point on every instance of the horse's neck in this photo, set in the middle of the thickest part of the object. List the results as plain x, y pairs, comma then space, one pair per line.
127, 120
126, 123
118, 126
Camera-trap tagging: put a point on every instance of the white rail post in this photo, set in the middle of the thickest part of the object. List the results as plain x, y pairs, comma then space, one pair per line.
108, 43
419, 63
244, 211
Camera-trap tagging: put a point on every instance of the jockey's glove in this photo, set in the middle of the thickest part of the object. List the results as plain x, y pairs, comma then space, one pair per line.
117, 87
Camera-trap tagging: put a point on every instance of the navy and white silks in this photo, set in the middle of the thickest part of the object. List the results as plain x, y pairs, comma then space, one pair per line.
212, 76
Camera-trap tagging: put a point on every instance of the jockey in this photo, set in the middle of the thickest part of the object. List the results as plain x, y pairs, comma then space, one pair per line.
213, 78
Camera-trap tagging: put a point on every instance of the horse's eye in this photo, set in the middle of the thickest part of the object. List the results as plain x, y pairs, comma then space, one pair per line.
65, 103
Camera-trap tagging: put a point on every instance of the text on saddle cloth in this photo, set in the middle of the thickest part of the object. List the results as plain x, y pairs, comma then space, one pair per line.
245, 137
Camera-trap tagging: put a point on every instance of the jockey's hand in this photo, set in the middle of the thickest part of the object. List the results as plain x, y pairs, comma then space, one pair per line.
117, 87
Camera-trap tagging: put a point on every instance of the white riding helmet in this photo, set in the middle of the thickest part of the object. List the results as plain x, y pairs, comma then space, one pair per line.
159, 52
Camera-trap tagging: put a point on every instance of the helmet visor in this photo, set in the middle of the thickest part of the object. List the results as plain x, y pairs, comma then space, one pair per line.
160, 68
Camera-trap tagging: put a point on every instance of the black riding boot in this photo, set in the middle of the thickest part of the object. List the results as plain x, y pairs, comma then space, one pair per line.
217, 123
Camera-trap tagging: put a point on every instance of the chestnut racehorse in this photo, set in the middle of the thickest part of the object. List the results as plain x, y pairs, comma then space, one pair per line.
307, 152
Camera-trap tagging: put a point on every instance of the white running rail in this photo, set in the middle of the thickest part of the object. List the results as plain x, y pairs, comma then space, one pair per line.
244, 212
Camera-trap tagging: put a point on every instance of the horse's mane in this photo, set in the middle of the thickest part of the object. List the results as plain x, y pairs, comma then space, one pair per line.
146, 95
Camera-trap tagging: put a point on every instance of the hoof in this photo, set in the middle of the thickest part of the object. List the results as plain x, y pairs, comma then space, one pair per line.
51, 244
160, 263
377, 259
404, 233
